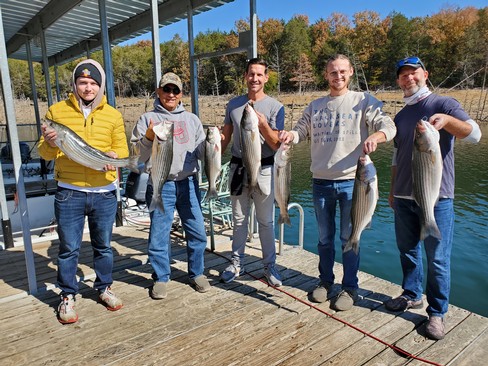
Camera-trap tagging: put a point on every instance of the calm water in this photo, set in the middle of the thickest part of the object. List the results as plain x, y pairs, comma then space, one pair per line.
379, 254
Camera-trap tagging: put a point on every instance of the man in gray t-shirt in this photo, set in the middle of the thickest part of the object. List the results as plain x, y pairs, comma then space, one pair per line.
271, 118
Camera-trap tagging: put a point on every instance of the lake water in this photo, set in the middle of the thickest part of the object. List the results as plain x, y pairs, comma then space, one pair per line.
379, 253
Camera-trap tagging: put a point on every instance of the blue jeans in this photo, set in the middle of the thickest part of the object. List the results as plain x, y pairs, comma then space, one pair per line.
326, 194
184, 195
70, 208
438, 252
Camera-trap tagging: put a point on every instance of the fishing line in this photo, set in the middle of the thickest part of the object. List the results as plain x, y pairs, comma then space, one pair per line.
396, 349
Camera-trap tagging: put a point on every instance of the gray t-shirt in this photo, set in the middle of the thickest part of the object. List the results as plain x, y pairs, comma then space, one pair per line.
270, 107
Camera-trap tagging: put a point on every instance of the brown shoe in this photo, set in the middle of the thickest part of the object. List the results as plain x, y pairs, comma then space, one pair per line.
435, 328
321, 293
401, 303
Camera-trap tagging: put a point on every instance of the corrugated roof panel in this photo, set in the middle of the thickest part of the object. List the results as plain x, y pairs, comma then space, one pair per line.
81, 22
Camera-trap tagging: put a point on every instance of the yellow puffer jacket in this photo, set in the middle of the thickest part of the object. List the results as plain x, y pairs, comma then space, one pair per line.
103, 129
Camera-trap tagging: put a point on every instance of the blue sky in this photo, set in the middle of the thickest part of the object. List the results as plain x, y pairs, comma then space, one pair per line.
224, 17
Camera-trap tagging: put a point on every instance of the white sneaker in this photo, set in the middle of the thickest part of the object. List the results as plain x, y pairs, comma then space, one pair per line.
111, 301
66, 310
272, 275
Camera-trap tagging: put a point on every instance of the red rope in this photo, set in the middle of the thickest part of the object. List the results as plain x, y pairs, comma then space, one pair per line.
391, 346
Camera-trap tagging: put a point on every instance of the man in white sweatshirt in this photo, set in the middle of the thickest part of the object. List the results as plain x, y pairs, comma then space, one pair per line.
339, 126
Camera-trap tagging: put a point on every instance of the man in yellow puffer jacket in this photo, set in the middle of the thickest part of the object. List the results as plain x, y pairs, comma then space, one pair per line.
83, 191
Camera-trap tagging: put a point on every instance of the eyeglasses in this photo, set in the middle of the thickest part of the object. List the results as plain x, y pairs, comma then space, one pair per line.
409, 61
168, 89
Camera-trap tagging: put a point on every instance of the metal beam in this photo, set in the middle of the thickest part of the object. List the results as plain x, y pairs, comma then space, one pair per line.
18, 171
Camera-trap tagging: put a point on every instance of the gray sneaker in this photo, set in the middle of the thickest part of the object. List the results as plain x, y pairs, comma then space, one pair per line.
66, 310
321, 293
201, 283
272, 275
232, 271
402, 303
159, 290
435, 328
345, 300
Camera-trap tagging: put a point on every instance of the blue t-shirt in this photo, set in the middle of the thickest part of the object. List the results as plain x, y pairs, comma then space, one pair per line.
405, 121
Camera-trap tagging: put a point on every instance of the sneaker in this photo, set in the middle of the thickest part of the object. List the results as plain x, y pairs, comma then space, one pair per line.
232, 271
201, 283
66, 310
321, 293
112, 302
345, 300
159, 291
401, 303
435, 328
272, 275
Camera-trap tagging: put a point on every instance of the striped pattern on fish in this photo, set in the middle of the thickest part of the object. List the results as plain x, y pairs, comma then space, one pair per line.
364, 199
250, 145
161, 160
77, 149
213, 159
427, 176
282, 181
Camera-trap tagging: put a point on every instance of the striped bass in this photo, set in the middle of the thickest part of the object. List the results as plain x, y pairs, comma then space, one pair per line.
161, 160
213, 159
364, 199
250, 145
427, 175
282, 181
78, 150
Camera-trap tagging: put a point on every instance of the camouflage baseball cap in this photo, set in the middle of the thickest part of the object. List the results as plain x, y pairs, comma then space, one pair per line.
170, 78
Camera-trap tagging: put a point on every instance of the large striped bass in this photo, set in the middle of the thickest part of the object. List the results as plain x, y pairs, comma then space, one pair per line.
161, 160
213, 159
250, 145
364, 199
282, 181
77, 149
427, 175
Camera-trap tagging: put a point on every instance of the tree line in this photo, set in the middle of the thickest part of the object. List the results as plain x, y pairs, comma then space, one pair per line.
453, 44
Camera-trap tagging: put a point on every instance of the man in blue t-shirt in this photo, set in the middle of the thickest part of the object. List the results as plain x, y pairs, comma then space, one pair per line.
448, 117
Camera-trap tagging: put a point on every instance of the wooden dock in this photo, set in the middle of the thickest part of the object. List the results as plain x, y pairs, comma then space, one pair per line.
245, 322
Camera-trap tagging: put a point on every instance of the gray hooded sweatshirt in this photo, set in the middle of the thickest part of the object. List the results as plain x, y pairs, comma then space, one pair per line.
188, 139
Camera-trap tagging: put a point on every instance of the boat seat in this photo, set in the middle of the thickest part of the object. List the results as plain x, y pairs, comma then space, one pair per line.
220, 207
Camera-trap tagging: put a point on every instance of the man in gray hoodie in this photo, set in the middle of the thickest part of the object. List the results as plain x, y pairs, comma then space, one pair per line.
179, 191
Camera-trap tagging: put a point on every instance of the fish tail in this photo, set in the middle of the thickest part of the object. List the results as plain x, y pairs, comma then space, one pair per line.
134, 163
156, 203
351, 245
212, 193
430, 229
284, 219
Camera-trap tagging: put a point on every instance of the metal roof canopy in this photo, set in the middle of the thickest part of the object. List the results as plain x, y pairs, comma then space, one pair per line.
57, 31
72, 27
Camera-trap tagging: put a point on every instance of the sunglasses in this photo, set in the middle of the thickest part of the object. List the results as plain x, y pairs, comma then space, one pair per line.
410, 61
168, 89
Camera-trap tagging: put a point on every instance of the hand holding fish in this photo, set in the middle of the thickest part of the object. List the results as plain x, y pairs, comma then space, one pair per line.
285, 136
371, 143
50, 135
108, 167
439, 120
150, 135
